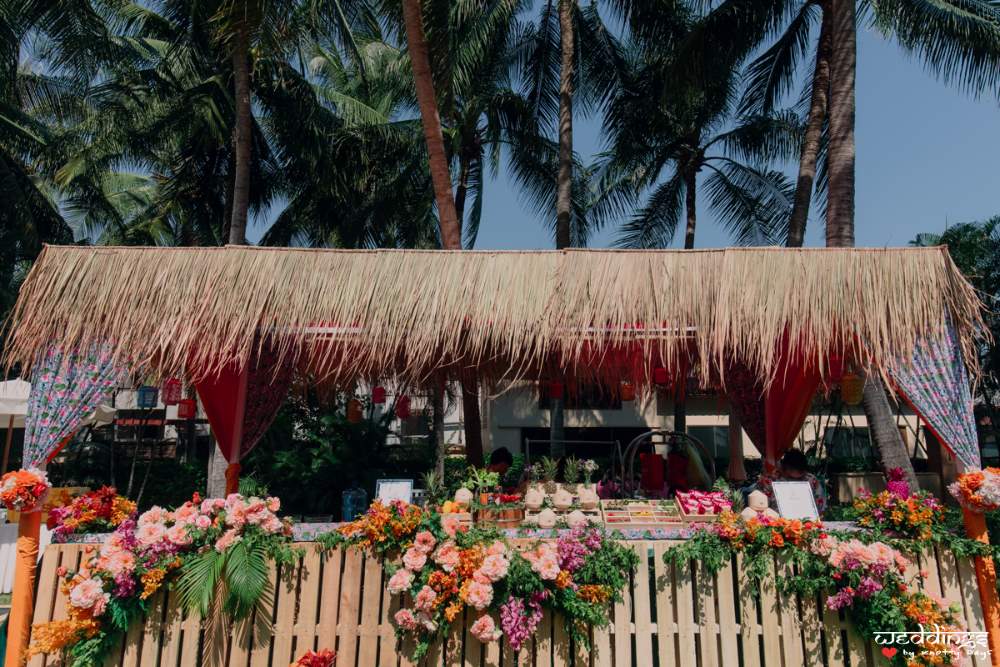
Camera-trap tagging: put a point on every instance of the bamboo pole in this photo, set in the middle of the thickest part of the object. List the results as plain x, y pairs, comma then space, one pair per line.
986, 577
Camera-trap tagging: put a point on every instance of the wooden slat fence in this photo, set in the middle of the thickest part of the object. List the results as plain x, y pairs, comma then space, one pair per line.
670, 616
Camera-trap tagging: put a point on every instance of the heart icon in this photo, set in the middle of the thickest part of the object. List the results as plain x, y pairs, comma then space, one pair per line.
889, 652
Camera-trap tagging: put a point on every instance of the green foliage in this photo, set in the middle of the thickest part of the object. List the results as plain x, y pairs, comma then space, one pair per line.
549, 468
516, 471
482, 480
571, 470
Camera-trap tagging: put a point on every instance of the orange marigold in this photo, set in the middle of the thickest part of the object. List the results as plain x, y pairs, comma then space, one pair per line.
564, 579
594, 593
151, 582
54, 636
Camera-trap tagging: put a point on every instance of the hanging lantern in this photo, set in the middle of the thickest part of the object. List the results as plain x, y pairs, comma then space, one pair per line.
146, 396
628, 391
556, 391
187, 408
660, 376
852, 388
172, 391
354, 411
403, 407
378, 395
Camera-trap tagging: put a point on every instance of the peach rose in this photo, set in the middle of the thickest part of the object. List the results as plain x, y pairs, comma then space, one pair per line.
414, 560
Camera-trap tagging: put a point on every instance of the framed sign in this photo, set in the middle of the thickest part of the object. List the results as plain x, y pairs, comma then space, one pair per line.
795, 500
394, 489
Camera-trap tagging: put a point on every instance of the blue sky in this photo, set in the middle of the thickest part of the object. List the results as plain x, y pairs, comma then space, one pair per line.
926, 157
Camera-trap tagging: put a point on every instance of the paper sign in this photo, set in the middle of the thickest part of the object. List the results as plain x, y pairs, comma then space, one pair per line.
387, 490
795, 500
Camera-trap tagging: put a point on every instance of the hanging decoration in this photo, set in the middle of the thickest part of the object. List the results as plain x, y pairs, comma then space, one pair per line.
660, 376
146, 397
355, 412
172, 391
378, 395
403, 407
627, 391
187, 408
852, 388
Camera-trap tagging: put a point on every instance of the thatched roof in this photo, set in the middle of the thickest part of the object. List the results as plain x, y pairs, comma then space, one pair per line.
409, 314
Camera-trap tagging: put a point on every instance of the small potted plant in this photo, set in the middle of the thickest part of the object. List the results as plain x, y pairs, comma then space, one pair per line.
512, 510
482, 482
571, 473
588, 467
550, 468
534, 472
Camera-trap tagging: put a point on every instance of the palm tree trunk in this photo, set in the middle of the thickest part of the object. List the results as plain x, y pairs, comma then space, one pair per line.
810, 144
840, 153
885, 432
840, 213
690, 207
451, 232
564, 192
241, 137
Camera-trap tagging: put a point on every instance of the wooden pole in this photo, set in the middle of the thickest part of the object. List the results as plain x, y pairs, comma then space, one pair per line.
6, 444
986, 577
22, 599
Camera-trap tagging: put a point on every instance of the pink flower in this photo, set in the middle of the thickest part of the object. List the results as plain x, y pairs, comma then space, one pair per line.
85, 594
400, 582
405, 619
202, 522
424, 542
426, 621
544, 560
498, 548
447, 556
210, 505
414, 560
273, 524
273, 504
425, 598
485, 629
155, 514
451, 525
495, 567
150, 533
117, 562
186, 514
228, 539
179, 535
478, 594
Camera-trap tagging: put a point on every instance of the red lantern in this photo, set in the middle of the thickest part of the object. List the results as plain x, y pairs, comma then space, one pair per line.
186, 408
171, 391
628, 391
556, 390
403, 407
660, 376
354, 411
378, 395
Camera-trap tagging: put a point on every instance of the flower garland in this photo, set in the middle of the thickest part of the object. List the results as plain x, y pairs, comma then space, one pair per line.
99, 511
978, 490
865, 580
441, 568
112, 588
24, 490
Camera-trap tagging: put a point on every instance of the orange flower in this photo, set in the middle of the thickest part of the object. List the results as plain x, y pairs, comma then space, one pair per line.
564, 579
594, 593
777, 540
453, 610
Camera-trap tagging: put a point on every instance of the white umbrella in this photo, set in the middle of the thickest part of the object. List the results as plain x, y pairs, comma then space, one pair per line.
13, 403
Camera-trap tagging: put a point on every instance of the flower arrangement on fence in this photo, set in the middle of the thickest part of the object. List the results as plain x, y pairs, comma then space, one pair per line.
203, 543
24, 490
324, 658
907, 514
867, 580
978, 490
99, 511
443, 570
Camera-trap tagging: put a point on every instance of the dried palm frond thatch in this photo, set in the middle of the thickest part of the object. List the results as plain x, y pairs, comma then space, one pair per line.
410, 314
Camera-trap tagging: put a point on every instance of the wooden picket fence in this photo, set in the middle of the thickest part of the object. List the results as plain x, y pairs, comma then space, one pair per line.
669, 616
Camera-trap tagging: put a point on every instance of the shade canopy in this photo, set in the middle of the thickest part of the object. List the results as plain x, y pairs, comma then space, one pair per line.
14, 402
412, 314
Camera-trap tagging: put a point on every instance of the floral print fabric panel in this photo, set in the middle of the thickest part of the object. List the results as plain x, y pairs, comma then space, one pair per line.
66, 388
936, 383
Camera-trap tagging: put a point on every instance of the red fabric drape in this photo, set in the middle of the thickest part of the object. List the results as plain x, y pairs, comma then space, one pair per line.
241, 403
